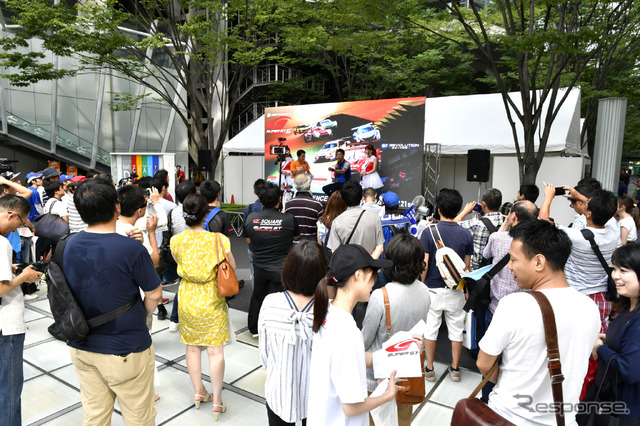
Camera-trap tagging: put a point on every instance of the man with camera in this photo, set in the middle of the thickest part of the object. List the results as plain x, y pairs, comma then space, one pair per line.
14, 210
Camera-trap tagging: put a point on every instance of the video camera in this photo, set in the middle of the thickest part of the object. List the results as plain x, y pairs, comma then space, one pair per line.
281, 151
5, 166
131, 179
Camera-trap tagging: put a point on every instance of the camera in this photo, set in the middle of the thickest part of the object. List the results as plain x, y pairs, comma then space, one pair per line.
39, 266
478, 209
561, 191
281, 151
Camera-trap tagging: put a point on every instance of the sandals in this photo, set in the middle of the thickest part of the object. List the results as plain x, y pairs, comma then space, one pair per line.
197, 399
216, 414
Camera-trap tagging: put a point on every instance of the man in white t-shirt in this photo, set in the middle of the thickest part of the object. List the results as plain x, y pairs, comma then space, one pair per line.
133, 205
523, 392
14, 210
583, 270
54, 205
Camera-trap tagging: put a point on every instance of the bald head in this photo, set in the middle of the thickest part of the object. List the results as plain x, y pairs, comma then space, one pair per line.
523, 211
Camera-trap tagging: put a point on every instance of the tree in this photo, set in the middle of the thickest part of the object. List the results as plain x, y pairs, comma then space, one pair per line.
195, 58
540, 48
366, 53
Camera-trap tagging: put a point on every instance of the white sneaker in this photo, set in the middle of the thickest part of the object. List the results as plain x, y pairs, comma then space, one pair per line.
30, 296
173, 326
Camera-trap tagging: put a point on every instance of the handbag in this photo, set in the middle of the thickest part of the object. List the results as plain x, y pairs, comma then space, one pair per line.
227, 281
414, 392
471, 411
50, 226
593, 417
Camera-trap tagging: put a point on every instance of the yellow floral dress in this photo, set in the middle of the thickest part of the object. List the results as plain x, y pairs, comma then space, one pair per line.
201, 309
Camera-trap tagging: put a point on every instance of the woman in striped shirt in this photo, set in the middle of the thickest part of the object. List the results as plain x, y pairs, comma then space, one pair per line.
284, 327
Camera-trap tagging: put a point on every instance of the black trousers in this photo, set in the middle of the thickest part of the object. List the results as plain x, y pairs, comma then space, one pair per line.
265, 282
275, 420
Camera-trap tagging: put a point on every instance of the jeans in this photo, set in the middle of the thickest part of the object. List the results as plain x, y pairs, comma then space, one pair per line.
488, 387
266, 282
174, 310
25, 253
250, 255
11, 379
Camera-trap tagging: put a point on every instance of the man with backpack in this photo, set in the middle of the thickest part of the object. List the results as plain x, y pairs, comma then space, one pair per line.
216, 220
116, 359
14, 210
445, 300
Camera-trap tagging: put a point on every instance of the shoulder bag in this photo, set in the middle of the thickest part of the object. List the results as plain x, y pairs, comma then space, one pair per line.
473, 412
227, 281
414, 392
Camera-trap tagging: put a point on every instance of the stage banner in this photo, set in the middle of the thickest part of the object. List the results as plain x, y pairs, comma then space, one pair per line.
395, 128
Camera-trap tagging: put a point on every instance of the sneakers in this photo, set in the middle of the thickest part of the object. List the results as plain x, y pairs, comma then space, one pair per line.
454, 374
173, 327
429, 375
30, 296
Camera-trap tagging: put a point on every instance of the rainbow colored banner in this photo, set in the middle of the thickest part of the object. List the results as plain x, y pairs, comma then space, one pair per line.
144, 165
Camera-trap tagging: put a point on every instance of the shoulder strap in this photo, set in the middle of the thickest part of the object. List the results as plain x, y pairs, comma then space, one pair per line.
435, 234
484, 381
588, 235
354, 227
553, 352
387, 310
497, 267
111, 315
210, 216
169, 227
490, 226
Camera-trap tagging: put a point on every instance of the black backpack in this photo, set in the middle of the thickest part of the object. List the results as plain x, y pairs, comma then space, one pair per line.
70, 325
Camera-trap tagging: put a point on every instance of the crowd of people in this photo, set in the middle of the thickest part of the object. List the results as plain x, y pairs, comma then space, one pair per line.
329, 283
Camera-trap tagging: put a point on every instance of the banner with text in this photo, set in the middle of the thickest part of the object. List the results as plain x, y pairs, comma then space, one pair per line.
395, 128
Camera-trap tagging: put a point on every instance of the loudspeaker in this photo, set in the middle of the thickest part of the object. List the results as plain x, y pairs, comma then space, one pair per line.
478, 162
204, 160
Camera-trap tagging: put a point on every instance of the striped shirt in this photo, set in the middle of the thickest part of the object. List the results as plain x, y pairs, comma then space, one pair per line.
480, 235
285, 352
503, 283
75, 221
306, 210
583, 269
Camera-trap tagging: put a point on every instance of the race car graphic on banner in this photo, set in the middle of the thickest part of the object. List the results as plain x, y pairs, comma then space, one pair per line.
395, 128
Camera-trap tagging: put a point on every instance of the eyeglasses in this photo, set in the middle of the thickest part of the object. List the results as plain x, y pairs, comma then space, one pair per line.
19, 217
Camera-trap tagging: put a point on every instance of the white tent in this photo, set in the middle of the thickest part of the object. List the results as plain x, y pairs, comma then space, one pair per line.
461, 123
249, 141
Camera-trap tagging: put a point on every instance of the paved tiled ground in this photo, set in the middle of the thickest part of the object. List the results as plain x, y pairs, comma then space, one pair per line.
51, 393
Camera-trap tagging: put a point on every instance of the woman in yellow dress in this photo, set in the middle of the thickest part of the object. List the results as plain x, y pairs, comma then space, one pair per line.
203, 311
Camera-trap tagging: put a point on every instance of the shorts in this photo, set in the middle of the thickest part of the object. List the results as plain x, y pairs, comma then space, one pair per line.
450, 303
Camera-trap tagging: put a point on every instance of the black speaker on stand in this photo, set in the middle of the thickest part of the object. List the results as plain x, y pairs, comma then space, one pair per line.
478, 163
205, 160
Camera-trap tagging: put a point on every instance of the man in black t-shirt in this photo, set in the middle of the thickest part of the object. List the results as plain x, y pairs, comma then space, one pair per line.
210, 189
271, 234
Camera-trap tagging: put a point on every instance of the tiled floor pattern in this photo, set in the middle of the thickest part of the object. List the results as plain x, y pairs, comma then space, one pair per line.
51, 392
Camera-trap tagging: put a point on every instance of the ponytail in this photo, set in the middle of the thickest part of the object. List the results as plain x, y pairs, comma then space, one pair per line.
320, 305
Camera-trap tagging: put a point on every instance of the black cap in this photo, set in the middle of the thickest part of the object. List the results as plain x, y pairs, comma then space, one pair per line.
50, 172
348, 258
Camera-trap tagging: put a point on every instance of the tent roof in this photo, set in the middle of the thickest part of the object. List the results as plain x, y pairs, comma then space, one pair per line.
250, 140
460, 123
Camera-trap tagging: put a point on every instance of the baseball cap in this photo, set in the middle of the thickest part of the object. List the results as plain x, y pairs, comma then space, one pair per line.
50, 172
391, 199
33, 175
78, 178
348, 258
65, 177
